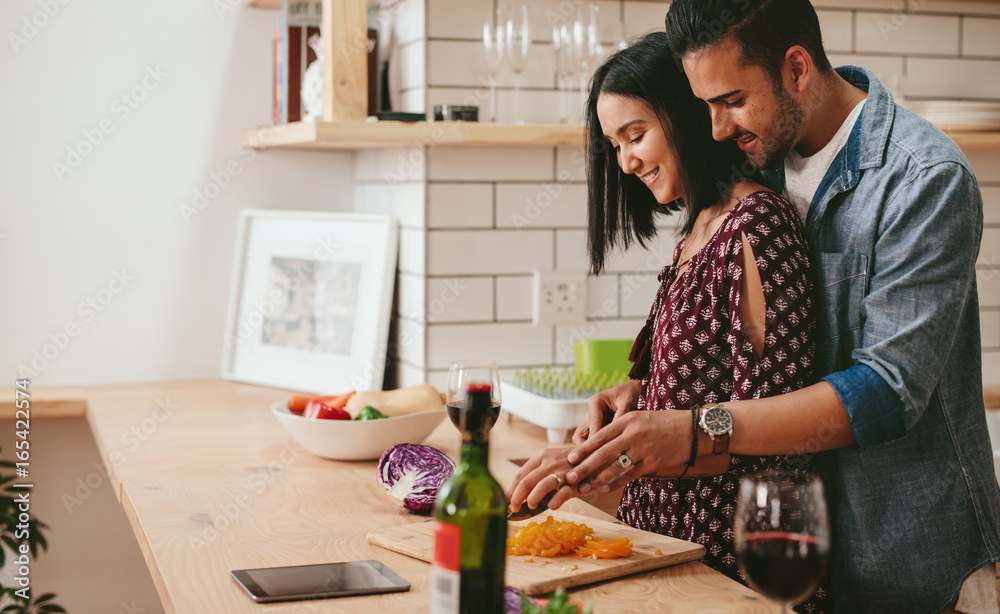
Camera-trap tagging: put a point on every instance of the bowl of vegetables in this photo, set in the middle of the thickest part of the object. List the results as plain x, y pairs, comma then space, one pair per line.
363, 425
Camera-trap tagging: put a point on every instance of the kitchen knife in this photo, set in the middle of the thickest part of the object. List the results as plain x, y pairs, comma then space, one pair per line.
528, 512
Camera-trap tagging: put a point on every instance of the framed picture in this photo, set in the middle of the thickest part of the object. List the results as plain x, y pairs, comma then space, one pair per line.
310, 300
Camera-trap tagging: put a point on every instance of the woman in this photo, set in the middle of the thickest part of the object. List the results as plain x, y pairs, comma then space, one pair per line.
732, 318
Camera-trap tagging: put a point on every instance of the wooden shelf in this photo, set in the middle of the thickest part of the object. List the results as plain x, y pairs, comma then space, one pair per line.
350, 136
345, 88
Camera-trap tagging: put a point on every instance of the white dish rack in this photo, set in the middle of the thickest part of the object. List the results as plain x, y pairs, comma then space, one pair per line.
559, 417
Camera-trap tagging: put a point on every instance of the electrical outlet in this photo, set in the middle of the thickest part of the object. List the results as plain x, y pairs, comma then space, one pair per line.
560, 298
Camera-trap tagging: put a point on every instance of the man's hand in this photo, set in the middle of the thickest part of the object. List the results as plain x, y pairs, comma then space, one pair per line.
657, 442
605, 406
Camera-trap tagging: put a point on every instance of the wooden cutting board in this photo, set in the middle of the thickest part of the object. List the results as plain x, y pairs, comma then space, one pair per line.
545, 574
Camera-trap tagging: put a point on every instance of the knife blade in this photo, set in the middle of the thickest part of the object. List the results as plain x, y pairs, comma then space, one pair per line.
529, 512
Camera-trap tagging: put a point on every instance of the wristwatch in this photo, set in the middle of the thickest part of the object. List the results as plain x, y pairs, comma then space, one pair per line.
718, 423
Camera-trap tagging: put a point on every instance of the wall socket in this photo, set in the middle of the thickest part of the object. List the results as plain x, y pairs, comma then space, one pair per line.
560, 298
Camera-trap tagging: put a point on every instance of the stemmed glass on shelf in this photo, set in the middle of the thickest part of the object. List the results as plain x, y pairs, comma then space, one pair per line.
494, 35
588, 35
567, 66
517, 47
783, 534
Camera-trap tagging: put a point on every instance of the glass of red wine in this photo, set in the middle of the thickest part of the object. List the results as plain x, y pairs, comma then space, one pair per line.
460, 376
783, 534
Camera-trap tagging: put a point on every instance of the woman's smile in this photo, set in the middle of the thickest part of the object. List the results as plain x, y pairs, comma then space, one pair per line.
634, 130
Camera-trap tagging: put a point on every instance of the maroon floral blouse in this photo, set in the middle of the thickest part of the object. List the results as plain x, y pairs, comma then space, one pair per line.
693, 351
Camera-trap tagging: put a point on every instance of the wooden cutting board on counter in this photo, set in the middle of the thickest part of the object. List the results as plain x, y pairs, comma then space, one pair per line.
545, 574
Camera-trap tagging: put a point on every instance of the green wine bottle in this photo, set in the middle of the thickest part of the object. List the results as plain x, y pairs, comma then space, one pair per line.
470, 533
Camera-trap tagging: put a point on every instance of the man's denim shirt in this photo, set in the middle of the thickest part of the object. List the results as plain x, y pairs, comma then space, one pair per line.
894, 232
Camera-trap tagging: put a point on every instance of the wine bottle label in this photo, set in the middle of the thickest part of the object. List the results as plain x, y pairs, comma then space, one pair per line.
445, 572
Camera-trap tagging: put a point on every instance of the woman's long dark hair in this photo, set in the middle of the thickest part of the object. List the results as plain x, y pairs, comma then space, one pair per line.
621, 209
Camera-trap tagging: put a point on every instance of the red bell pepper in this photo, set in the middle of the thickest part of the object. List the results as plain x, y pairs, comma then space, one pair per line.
320, 410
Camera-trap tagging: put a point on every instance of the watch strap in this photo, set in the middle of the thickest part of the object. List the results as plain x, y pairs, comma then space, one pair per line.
720, 443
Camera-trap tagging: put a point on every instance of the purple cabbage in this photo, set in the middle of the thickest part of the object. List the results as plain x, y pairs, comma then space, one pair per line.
413, 473
513, 603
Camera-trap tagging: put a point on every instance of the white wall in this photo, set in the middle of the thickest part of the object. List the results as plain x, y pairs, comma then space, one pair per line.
203, 72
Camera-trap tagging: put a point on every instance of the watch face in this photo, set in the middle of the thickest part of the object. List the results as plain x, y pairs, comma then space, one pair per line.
718, 420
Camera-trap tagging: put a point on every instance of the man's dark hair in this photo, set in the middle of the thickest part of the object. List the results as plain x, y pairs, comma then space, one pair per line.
763, 29
621, 209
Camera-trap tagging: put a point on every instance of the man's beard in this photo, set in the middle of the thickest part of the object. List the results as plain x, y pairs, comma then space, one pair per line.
789, 119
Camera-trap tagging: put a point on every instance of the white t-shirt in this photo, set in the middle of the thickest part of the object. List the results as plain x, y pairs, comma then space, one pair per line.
803, 175
802, 178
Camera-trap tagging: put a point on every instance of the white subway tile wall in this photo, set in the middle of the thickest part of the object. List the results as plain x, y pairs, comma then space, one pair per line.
513, 295
412, 251
460, 205
509, 344
980, 36
487, 217
906, 34
953, 78
838, 30
490, 164
989, 286
541, 205
411, 297
991, 329
485, 252
643, 17
600, 290
460, 299
457, 18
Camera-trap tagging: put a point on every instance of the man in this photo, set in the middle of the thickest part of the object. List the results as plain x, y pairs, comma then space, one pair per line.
894, 219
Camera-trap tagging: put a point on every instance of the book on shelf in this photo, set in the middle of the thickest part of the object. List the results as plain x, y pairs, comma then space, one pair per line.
297, 21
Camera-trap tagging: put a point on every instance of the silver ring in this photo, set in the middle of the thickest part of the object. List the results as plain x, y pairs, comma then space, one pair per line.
624, 460
560, 482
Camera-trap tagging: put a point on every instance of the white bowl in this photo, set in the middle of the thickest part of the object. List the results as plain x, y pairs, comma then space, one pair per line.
356, 439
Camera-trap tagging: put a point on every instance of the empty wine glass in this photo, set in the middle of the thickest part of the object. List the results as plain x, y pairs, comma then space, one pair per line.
588, 48
476, 372
493, 49
783, 534
517, 47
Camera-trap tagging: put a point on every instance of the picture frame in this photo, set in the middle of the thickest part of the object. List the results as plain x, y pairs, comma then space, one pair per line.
310, 300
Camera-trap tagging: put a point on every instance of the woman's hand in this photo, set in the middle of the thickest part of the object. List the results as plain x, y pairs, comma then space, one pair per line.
605, 406
535, 480
657, 442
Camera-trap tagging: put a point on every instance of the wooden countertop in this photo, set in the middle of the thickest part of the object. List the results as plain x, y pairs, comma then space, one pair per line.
210, 482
